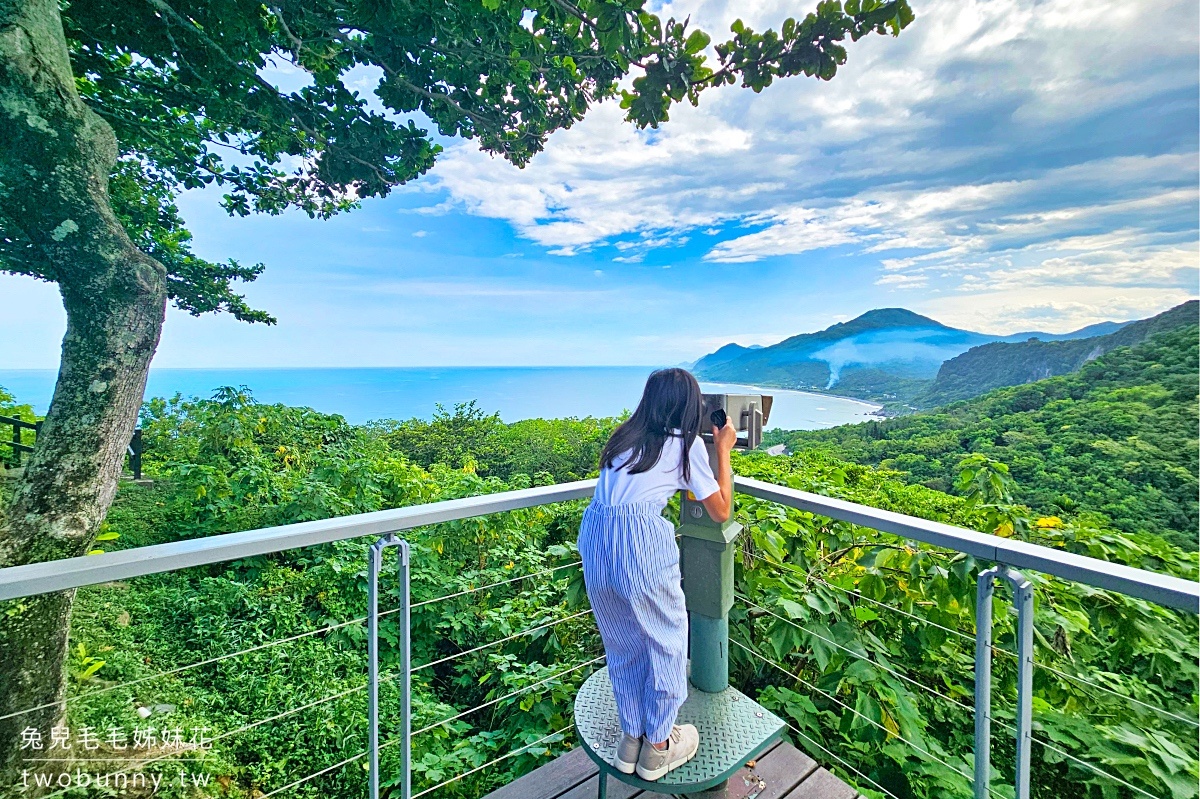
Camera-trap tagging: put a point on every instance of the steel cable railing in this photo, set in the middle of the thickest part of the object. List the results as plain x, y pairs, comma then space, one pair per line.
859, 656
863, 716
1165, 590
315, 774
181, 669
358, 688
1094, 769
543, 573
481, 647
854, 596
509, 695
489, 764
278, 642
1117, 694
1045, 744
874, 663
236, 731
966, 636
839, 760
360, 755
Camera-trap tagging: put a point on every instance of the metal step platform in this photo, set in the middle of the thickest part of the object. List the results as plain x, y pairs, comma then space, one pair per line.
734, 729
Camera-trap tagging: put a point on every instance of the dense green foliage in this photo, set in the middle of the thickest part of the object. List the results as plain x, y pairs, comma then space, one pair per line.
231, 464
823, 600
819, 598
554, 451
1117, 437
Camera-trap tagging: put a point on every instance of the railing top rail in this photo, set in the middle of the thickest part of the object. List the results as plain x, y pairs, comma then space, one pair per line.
1160, 588
18, 423
58, 575
40, 578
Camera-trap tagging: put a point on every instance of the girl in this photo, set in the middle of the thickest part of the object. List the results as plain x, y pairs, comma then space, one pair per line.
631, 564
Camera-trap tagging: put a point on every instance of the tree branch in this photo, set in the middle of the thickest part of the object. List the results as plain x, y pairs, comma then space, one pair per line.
271, 91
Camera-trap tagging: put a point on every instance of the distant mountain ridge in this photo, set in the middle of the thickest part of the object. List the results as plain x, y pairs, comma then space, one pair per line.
1116, 436
884, 354
983, 368
1098, 329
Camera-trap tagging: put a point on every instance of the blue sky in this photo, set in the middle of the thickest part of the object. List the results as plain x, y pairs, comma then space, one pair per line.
1001, 166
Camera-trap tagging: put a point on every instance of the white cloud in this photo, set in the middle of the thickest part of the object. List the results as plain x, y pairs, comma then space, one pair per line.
902, 281
988, 148
1014, 310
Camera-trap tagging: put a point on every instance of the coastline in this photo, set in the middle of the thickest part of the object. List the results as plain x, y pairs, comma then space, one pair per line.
364, 394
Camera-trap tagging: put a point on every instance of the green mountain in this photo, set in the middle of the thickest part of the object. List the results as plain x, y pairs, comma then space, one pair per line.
983, 368
1118, 437
888, 354
894, 341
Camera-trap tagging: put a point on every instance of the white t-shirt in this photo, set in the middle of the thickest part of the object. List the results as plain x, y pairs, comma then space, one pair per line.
617, 486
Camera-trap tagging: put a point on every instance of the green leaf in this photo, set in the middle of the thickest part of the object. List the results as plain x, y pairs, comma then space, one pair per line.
818, 603
697, 41
864, 613
792, 609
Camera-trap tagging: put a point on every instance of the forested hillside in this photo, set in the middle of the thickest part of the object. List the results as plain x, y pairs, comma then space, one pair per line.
266, 655
1118, 437
983, 368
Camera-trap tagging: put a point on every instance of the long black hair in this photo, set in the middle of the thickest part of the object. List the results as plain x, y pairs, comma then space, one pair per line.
671, 401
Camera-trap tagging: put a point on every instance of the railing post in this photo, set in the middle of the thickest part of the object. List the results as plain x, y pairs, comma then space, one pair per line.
984, 588
374, 561
405, 603
16, 449
374, 566
1023, 600
135, 454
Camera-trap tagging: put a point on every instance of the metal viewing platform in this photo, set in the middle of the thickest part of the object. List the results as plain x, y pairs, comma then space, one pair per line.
734, 730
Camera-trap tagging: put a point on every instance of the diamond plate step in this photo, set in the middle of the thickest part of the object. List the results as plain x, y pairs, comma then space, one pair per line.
733, 729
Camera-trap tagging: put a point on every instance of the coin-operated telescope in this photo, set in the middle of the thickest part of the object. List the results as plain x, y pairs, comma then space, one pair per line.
706, 546
748, 412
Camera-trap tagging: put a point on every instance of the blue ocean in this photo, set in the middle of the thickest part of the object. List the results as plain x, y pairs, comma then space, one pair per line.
516, 392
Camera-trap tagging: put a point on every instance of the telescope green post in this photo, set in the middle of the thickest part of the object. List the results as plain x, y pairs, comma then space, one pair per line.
706, 549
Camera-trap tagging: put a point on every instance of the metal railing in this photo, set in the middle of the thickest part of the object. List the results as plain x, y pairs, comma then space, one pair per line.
15, 442
17, 447
1008, 556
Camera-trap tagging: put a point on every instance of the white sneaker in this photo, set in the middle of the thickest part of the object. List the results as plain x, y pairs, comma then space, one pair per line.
681, 747
627, 754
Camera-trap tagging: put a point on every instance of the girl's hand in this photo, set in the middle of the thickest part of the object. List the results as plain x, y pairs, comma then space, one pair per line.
725, 437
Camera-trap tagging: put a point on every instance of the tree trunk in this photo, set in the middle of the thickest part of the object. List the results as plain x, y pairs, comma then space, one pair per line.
56, 156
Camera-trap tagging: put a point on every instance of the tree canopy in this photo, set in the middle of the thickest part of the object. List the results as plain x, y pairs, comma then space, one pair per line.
184, 86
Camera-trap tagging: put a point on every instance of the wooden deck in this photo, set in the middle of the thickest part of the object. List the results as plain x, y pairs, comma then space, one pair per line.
787, 772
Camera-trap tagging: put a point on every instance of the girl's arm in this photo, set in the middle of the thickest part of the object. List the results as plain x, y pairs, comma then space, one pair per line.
720, 504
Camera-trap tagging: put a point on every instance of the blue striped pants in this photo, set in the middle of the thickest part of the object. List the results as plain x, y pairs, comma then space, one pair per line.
631, 570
